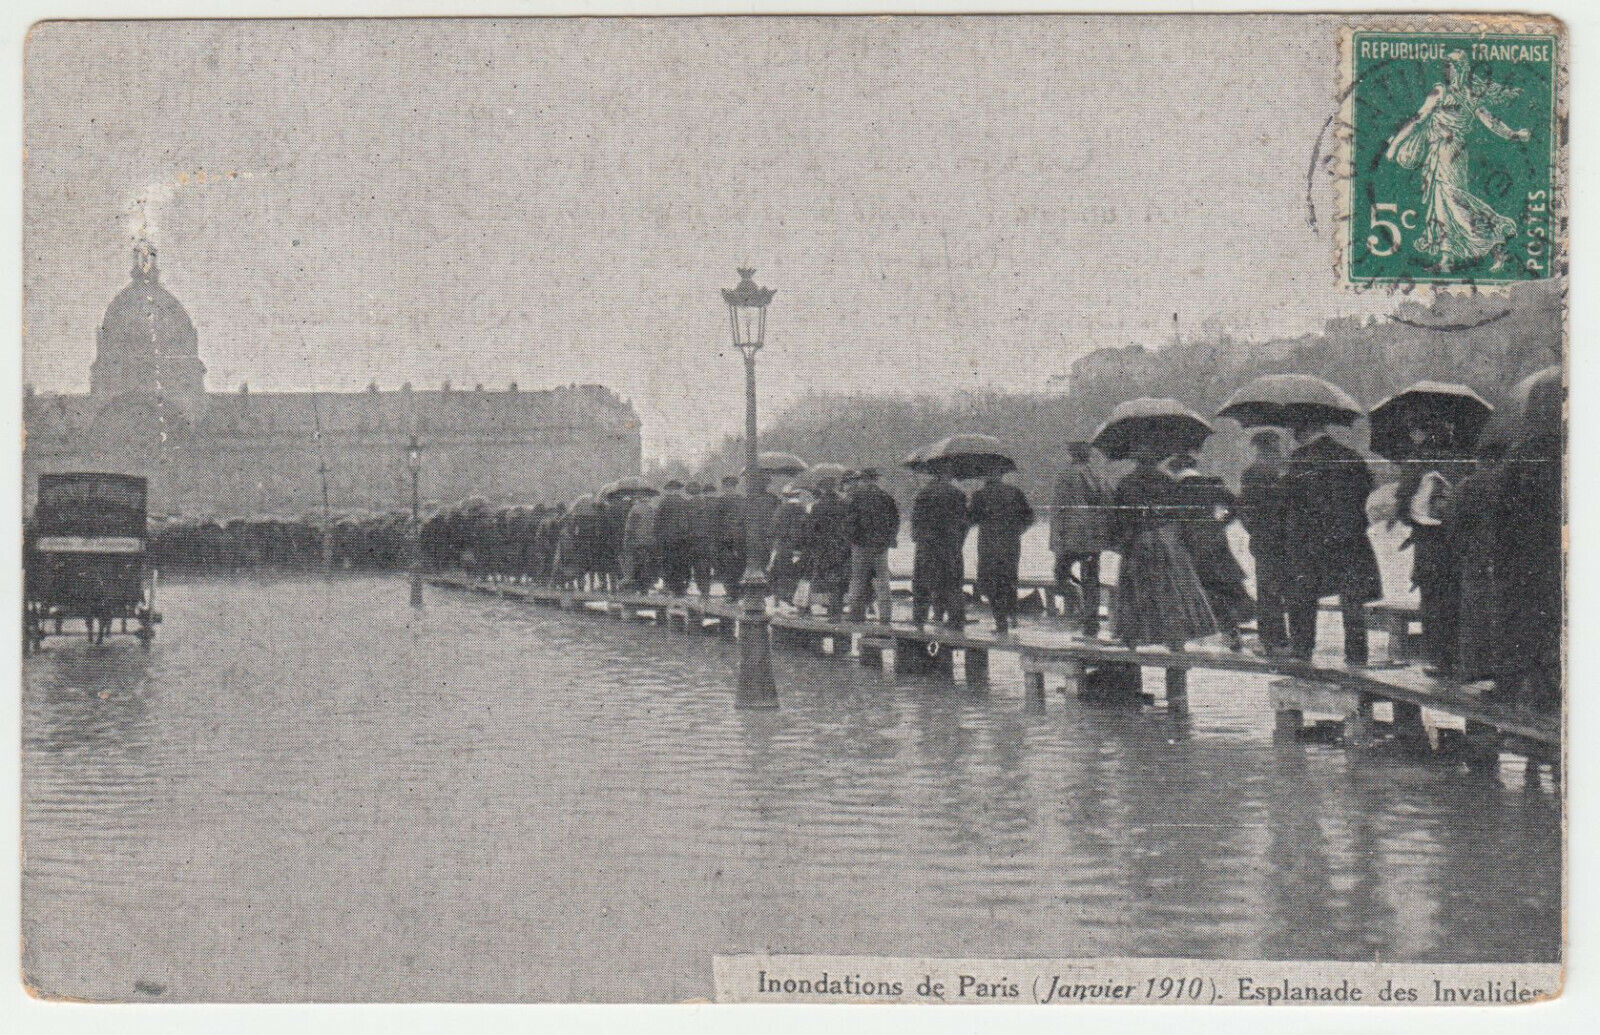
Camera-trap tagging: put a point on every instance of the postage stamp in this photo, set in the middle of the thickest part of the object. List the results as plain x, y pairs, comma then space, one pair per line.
1453, 154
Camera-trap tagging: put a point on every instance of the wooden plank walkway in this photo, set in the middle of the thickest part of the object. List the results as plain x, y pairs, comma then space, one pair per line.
1047, 647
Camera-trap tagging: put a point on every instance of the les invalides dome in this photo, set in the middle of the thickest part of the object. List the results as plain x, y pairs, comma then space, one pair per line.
147, 355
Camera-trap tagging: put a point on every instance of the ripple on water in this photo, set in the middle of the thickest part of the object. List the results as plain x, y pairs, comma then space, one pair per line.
305, 789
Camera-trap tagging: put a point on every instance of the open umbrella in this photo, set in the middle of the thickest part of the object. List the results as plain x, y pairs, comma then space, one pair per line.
631, 487
819, 472
963, 456
780, 463
1533, 409
1427, 403
583, 506
1296, 401
1164, 425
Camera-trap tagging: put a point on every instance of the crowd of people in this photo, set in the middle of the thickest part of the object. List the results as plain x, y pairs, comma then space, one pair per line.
823, 545
348, 541
1484, 531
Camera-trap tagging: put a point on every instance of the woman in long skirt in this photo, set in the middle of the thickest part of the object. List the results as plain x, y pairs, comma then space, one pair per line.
1203, 529
1159, 596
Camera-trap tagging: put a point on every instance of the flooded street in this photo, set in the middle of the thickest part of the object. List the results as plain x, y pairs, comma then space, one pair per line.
308, 790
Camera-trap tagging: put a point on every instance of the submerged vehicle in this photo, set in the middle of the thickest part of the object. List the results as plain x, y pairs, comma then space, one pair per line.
86, 557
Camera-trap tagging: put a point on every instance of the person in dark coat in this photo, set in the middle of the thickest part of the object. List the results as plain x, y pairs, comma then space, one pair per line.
1002, 514
1206, 508
762, 512
544, 545
675, 538
939, 530
1422, 499
1469, 526
639, 543
703, 522
874, 527
728, 547
1159, 596
1325, 490
788, 534
1260, 509
827, 548
1528, 570
1080, 529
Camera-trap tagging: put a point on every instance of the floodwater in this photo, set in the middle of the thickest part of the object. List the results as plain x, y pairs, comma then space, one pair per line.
308, 790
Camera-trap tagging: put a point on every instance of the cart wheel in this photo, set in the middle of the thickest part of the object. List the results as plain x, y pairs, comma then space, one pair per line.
146, 632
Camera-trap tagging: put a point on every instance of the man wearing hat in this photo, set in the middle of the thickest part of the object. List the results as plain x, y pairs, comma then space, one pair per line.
1261, 513
727, 536
1325, 490
703, 519
786, 566
939, 529
1002, 514
827, 548
874, 527
675, 537
1080, 529
638, 540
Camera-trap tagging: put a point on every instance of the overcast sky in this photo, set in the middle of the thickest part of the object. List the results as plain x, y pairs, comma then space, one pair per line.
941, 204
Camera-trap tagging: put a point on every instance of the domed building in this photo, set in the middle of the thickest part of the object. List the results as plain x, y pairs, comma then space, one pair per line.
146, 347
243, 452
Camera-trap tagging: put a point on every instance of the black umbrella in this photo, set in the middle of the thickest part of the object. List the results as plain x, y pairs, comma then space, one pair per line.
1534, 409
1297, 401
963, 456
821, 472
780, 463
631, 487
1162, 425
1435, 406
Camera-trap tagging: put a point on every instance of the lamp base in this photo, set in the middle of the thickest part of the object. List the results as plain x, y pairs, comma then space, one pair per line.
756, 686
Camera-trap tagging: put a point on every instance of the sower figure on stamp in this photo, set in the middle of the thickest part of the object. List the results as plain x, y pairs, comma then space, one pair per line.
939, 530
1080, 528
1002, 514
874, 528
1458, 225
1261, 512
1326, 485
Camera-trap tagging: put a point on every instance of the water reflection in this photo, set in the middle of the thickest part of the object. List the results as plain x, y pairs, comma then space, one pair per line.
307, 789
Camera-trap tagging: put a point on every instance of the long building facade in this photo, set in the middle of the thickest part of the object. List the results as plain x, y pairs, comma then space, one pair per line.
244, 453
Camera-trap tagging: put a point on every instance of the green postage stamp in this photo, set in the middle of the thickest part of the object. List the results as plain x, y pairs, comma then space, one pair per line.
1454, 144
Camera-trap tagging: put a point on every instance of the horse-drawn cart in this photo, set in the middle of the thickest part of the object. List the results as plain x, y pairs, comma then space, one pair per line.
86, 557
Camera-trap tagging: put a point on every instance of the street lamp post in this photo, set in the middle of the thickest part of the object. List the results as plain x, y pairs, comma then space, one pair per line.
747, 310
414, 465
